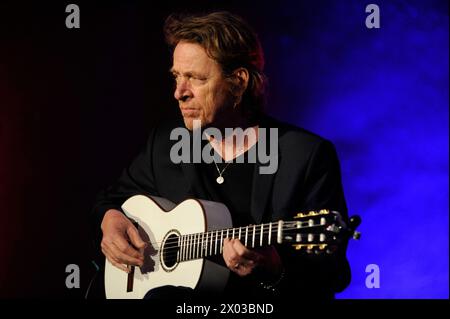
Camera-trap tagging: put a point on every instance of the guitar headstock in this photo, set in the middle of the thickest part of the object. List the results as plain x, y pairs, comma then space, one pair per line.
319, 231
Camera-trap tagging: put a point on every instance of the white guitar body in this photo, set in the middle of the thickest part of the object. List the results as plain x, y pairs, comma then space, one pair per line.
156, 220
181, 237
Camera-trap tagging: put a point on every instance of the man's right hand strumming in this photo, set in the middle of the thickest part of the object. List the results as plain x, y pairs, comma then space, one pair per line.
121, 243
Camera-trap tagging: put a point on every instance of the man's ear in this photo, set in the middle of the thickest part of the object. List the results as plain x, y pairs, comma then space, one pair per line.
240, 80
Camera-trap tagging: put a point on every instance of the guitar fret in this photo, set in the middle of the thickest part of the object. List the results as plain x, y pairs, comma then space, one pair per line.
178, 251
270, 233
215, 242
181, 248
211, 244
280, 232
188, 252
206, 245
202, 251
208, 239
246, 236
233, 233
194, 256
239, 233
202, 245
199, 245
253, 237
221, 241
261, 235
195, 246
192, 246
186, 247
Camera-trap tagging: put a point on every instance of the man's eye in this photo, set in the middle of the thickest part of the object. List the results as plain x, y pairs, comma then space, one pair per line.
199, 80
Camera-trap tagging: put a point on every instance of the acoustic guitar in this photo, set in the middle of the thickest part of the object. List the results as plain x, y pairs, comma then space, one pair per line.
181, 237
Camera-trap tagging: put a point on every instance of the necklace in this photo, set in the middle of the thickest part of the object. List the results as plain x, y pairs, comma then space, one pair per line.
220, 179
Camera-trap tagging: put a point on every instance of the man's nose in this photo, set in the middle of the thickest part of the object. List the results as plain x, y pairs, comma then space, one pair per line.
182, 91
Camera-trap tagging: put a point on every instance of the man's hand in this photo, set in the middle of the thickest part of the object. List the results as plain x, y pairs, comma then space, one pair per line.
121, 242
244, 261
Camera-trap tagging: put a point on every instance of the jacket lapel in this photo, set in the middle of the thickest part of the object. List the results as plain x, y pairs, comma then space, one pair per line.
262, 187
262, 183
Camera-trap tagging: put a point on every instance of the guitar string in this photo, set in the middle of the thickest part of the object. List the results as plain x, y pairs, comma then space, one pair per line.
265, 231
197, 251
171, 251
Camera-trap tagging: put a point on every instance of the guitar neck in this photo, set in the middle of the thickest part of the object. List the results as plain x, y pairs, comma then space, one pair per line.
200, 245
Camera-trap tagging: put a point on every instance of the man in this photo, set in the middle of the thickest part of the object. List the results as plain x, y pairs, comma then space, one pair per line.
218, 72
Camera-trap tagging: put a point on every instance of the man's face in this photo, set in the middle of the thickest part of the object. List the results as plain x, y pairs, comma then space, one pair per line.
201, 89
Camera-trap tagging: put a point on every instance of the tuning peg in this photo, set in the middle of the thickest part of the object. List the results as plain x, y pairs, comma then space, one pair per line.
333, 228
355, 221
356, 235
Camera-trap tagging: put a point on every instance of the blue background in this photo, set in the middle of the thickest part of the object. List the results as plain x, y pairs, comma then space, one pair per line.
381, 95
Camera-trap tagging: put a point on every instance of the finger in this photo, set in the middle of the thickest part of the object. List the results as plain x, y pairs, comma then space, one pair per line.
125, 247
120, 266
229, 254
124, 257
234, 261
244, 253
113, 261
238, 252
135, 239
227, 246
119, 252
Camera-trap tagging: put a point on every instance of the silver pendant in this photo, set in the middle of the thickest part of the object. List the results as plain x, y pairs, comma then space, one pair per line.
220, 180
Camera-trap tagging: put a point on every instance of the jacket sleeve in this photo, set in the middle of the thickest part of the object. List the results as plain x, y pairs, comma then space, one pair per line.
322, 274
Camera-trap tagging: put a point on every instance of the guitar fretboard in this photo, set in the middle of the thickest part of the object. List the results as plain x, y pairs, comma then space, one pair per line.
200, 245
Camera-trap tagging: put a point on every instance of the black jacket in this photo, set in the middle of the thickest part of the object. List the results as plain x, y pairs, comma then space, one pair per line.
308, 178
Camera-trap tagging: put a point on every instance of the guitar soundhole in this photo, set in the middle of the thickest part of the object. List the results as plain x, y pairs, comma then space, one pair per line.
170, 251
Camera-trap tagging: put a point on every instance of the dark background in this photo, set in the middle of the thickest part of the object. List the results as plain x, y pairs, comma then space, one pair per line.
76, 105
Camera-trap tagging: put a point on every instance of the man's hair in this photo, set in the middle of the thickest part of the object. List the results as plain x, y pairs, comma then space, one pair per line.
231, 42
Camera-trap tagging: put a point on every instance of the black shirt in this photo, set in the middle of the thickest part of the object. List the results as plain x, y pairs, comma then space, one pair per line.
236, 190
